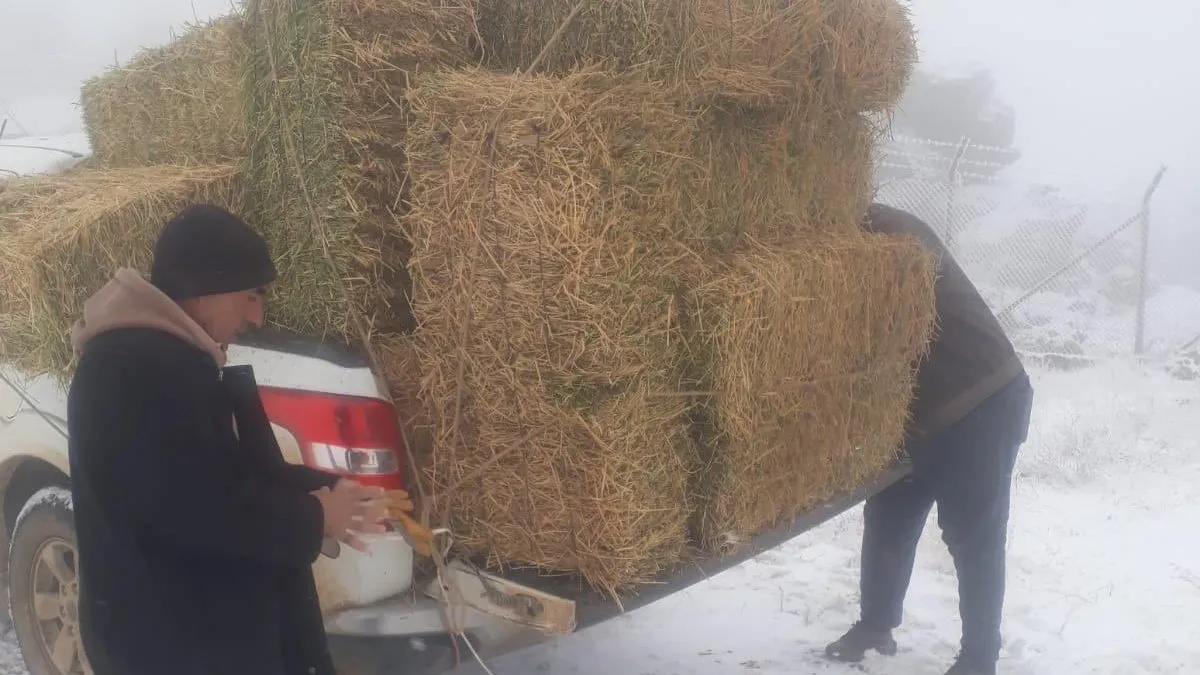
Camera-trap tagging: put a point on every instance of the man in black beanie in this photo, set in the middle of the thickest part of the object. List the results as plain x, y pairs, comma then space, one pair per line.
195, 538
216, 267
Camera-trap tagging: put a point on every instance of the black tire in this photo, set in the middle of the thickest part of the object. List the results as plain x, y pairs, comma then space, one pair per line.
46, 523
42, 574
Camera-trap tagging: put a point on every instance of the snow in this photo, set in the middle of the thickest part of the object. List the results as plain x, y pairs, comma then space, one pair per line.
1170, 321
1104, 565
11, 662
1104, 570
29, 155
49, 495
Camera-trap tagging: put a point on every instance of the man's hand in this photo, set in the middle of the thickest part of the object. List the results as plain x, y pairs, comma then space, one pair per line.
347, 484
352, 509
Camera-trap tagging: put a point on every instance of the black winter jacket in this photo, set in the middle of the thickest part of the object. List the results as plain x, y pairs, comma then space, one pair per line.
196, 540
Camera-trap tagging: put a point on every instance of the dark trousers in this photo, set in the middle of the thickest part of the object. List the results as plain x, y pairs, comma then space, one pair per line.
967, 471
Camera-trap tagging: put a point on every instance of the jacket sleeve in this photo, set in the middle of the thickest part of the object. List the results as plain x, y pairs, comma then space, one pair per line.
257, 439
179, 480
300, 617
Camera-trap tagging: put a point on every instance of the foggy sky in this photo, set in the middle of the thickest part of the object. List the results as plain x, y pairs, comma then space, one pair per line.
47, 48
1104, 91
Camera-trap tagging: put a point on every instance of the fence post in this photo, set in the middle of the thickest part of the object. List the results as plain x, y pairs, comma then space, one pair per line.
1140, 336
955, 179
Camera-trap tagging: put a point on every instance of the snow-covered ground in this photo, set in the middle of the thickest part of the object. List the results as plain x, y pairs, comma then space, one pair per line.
1104, 564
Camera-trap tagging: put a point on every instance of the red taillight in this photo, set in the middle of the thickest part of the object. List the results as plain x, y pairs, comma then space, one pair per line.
345, 435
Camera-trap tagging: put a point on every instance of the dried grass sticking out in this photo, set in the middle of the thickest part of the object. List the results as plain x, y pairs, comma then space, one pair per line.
176, 104
773, 174
63, 237
323, 82
545, 287
811, 351
850, 56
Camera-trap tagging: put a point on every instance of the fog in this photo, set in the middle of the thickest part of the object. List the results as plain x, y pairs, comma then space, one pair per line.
1104, 91
47, 48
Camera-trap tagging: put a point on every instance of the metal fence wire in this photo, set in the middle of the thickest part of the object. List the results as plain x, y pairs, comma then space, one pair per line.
1066, 278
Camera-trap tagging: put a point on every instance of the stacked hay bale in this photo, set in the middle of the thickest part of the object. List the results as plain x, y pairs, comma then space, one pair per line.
778, 88
548, 317
807, 350
176, 104
725, 193
551, 220
63, 237
165, 130
630, 272
325, 170
810, 53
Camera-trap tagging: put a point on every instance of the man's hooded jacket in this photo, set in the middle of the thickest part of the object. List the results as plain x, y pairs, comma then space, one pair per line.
195, 538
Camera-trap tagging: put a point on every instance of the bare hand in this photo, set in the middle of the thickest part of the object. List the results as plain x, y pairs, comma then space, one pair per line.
352, 509
349, 484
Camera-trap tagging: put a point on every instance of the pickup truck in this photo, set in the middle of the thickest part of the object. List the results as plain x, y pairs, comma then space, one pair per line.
328, 410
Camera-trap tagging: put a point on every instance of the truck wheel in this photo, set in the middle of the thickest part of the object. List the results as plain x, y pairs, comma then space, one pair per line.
44, 586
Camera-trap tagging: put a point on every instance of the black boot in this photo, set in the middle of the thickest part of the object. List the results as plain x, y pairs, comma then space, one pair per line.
853, 646
963, 666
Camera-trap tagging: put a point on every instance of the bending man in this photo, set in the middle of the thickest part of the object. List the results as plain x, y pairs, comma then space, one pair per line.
969, 417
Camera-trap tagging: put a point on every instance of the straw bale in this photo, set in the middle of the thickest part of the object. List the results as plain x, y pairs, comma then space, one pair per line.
63, 236
770, 175
810, 352
851, 55
176, 104
544, 290
323, 83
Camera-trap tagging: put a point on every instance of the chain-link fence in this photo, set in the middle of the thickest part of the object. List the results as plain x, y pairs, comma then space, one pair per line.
1067, 279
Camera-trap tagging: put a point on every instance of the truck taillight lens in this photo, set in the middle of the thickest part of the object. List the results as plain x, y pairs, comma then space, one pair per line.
355, 437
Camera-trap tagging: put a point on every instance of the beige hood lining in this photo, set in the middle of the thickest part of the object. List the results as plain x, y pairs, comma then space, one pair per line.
129, 301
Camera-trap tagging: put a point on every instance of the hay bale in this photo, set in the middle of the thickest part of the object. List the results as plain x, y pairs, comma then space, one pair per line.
63, 236
852, 56
544, 290
808, 351
325, 167
177, 104
771, 175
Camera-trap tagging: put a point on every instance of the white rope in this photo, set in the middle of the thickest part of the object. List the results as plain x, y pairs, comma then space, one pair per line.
444, 588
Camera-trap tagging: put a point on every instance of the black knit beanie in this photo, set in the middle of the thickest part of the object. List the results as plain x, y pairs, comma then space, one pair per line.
206, 250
